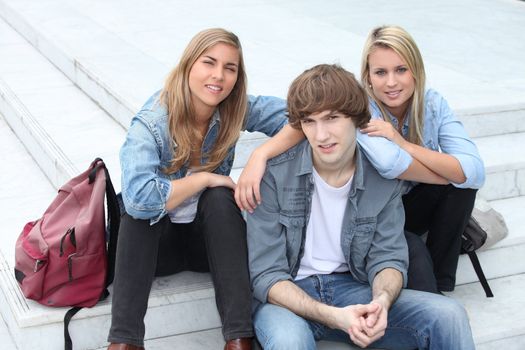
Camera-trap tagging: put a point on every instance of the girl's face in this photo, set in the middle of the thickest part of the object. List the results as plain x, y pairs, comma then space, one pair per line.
212, 78
392, 82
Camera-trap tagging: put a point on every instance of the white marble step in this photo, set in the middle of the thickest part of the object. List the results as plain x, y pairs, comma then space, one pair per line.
505, 165
505, 330
125, 45
494, 120
63, 129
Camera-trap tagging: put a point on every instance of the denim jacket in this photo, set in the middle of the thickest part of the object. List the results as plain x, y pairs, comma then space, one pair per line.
372, 236
148, 149
442, 132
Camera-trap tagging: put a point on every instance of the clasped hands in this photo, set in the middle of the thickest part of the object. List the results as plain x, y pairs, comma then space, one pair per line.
364, 323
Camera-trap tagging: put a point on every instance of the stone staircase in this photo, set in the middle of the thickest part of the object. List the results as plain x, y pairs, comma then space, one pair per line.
68, 88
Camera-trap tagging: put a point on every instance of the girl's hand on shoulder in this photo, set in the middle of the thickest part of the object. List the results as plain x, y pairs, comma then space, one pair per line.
247, 193
377, 127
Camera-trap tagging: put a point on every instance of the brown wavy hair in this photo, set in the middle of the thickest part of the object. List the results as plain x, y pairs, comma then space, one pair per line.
176, 96
327, 88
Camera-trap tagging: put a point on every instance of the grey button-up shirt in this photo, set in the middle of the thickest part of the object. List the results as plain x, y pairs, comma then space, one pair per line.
372, 237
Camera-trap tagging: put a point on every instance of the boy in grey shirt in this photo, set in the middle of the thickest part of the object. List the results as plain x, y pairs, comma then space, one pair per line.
327, 254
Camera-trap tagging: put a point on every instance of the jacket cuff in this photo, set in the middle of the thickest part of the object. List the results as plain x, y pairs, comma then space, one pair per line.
390, 264
262, 287
474, 172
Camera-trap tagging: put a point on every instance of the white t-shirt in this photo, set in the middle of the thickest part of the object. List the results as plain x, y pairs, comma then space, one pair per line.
185, 212
322, 248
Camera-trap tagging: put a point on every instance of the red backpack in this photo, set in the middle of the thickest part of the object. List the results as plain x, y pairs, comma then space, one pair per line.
66, 258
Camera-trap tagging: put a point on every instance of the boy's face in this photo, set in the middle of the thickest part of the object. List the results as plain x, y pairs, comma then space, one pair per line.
332, 136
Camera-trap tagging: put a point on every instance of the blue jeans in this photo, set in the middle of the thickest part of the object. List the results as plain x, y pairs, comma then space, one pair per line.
416, 320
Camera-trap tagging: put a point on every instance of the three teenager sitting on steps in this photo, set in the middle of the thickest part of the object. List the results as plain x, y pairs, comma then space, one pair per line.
181, 213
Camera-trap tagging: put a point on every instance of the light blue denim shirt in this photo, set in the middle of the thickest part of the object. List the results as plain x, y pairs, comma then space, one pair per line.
442, 132
372, 236
148, 150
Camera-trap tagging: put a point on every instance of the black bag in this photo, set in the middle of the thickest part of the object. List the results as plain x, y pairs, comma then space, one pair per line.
474, 236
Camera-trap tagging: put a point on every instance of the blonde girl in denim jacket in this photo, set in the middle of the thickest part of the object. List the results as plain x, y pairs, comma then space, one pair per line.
445, 162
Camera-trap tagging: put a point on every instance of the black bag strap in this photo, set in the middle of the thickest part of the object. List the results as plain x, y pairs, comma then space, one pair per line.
112, 238
479, 272
68, 344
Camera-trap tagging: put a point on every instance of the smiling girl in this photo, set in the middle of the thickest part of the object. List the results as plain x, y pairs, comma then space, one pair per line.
180, 213
445, 161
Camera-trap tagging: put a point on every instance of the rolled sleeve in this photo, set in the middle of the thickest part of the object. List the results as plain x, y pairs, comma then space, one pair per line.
388, 159
389, 247
266, 114
144, 192
453, 140
267, 258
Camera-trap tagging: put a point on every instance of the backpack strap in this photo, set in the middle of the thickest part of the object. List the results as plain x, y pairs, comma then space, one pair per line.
68, 344
479, 272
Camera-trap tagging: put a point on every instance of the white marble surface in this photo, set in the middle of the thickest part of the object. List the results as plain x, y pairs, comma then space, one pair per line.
502, 152
5, 337
486, 123
73, 122
500, 185
281, 39
504, 161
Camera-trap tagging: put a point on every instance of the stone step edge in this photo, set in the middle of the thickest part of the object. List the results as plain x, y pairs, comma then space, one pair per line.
494, 109
47, 154
489, 259
88, 81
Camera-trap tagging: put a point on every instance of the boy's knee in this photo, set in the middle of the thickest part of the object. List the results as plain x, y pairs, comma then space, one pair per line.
278, 328
445, 316
452, 313
289, 338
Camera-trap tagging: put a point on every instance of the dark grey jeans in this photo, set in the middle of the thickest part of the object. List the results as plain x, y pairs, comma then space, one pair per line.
215, 241
443, 211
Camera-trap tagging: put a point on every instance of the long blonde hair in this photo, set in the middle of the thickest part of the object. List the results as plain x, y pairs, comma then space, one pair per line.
176, 95
398, 39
